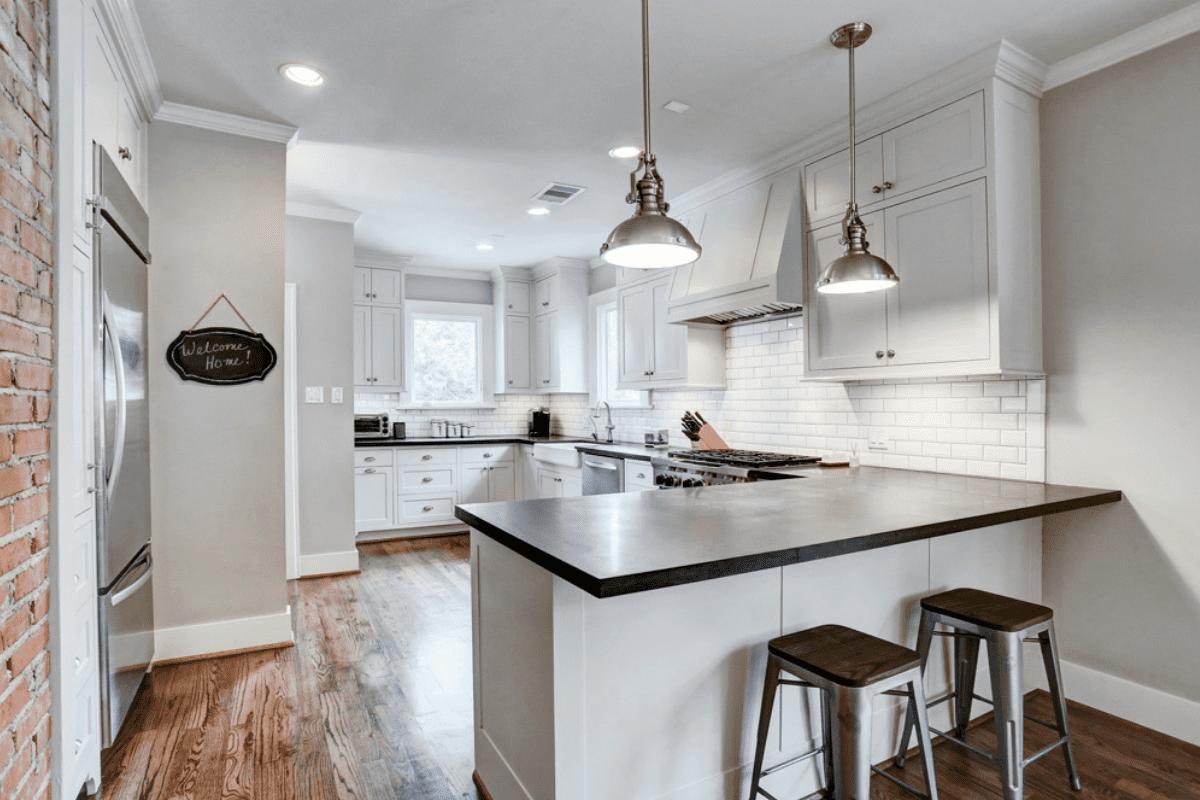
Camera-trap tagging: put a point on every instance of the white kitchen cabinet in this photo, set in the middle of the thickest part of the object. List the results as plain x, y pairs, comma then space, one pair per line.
559, 482
111, 117
518, 354
639, 476
545, 295
378, 348
517, 297
488, 483
545, 336
541, 326
378, 286
936, 146
374, 498
654, 353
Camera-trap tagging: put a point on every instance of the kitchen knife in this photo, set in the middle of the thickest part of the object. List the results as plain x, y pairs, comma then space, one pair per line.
702, 422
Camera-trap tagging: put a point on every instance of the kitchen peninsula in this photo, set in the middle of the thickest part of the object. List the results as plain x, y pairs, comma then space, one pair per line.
619, 640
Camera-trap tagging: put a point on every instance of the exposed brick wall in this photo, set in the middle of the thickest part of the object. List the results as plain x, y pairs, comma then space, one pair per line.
26, 353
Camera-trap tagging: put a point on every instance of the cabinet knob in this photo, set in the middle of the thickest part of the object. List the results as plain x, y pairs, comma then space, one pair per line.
558, 480
373, 295
427, 508
125, 153
876, 190
645, 373
427, 457
546, 381
510, 305
426, 479
369, 472
487, 455
92, 490
891, 353
888, 185
510, 382
546, 303
879, 354
651, 372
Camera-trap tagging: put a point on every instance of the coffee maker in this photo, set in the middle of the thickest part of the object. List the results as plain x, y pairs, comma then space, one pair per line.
539, 422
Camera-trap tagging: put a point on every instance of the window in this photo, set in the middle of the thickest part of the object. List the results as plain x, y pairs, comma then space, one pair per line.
446, 358
608, 351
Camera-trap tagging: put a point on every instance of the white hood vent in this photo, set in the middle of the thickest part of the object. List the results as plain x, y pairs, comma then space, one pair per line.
753, 259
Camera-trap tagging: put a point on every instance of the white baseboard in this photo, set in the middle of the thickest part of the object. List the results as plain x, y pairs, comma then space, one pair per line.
188, 641
328, 563
1153, 708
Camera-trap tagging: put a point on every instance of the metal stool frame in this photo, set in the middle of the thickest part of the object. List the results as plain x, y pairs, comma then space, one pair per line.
1005, 663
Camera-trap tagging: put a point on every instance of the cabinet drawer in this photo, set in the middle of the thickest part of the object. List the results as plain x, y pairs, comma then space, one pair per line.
435, 478
638, 475
375, 457
426, 510
485, 453
422, 456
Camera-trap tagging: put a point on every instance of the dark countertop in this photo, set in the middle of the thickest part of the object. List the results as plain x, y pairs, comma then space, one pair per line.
618, 449
617, 544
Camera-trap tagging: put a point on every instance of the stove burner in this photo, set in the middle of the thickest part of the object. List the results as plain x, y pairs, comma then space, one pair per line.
740, 458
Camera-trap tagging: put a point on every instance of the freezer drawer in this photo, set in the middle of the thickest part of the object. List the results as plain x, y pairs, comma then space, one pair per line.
126, 640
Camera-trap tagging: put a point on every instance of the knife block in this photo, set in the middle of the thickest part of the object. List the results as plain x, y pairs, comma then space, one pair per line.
709, 439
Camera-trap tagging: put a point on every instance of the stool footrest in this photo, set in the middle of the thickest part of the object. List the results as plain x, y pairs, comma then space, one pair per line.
790, 682
952, 738
899, 782
1043, 752
1052, 726
767, 794
958, 634
791, 761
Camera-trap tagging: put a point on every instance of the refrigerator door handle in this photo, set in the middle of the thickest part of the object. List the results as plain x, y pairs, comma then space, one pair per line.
110, 339
124, 594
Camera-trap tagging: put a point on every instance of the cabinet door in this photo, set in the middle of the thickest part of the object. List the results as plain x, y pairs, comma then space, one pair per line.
542, 351
374, 497
362, 346
544, 295
75, 384
517, 293
549, 484
571, 483
935, 146
387, 287
502, 483
827, 182
938, 246
670, 341
635, 320
362, 285
129, 155
844, 330
474, 486
102, 96
555, 376
518, 359
387, 348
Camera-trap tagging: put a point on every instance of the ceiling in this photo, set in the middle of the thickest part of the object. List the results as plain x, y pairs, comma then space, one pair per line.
440, 119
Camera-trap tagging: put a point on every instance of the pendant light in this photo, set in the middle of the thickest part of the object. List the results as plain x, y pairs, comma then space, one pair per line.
649, 239
856, 271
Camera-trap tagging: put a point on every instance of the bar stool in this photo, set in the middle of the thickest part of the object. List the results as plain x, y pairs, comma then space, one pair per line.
1004, 623
850, 668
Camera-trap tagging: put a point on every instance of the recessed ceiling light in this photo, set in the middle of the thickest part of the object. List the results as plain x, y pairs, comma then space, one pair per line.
302, 74
537, 211
678, 106
483, 246
625, 151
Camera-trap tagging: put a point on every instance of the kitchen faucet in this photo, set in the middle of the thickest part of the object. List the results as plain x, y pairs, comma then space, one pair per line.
609, 427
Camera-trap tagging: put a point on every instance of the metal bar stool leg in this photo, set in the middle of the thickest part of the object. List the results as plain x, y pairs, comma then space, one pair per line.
966, 659
852, 742
1054, 678
916, 699
827, 743
770, 687
1004, 662
924, 642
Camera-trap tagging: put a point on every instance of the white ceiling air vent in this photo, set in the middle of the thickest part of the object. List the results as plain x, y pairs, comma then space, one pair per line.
558, 193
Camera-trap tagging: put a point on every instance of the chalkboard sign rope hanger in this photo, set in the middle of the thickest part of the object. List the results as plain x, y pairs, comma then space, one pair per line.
231, 305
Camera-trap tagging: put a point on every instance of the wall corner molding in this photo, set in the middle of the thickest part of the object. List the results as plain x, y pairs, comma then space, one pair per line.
1022, 70
365, 258
124, 31
222, 122
1154, 34
328, 213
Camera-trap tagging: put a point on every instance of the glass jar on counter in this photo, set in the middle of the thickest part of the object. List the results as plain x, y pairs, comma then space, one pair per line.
452, 429
437, 428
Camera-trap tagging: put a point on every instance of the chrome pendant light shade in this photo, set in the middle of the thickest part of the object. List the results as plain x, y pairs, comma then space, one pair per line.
856, 271
649, 239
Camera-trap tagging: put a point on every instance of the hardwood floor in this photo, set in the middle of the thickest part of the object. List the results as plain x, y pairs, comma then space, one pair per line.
374, 702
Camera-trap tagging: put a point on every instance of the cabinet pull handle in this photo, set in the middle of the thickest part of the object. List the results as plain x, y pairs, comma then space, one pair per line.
427, 479
558, 480
427, 508
888, 185
125, 153
876, 190
546, 303
487, 455
369, 458
546, 381
369, 472
891, 353
879, 354
427, 457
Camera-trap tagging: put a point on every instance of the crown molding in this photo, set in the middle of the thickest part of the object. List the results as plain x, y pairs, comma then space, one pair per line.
456, 274
327, 213
226, 123
124, 31
1002, 61
1154, 34
363, 258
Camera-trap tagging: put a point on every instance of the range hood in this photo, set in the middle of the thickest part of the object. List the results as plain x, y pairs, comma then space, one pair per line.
753, 261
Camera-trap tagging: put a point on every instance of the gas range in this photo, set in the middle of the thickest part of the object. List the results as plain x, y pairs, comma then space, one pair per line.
690, 468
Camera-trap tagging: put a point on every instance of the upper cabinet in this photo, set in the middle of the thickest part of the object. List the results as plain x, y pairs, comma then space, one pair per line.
378, 286
950, 197
541, 327
656, 354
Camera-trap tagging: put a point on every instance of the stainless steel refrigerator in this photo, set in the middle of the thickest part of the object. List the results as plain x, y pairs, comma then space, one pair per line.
122, 475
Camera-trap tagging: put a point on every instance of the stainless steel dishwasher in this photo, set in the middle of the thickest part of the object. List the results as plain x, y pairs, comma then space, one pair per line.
603, 475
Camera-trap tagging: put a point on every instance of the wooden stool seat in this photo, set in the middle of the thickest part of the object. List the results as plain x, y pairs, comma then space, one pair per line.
843, 655
988, 610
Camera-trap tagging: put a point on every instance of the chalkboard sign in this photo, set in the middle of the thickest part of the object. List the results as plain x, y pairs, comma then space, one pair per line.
221, 356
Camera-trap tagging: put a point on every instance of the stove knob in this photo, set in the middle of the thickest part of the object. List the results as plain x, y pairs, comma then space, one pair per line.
688, 483
661, 479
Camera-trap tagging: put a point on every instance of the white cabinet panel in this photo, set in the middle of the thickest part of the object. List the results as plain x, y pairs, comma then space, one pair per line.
387, 349
387, 286
433, 478
373, 457
827, 182
426, 510
639, 476
518, 297
76, 394
424, 456
545, 295
502, 482
845, 330
374, 498
485, 453
635, 313
518, 355
362, 284
362, 346
936, 146
545, 336
938, 246
474, 486
670, 341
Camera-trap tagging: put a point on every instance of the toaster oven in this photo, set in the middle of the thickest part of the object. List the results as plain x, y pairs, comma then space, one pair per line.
371, 426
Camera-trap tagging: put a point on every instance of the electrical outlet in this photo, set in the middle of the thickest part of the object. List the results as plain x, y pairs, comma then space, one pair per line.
879, 441
314, 394
335, 394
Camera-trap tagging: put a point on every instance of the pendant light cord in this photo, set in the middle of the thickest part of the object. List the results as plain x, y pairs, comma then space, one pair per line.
852, 142
646, 77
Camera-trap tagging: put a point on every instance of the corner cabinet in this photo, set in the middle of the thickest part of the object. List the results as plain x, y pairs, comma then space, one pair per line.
541, 327
655, 354
378, 329
951, 201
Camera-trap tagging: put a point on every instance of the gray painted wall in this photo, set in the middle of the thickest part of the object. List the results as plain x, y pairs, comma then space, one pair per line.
216, 451
1120, 171
447, 290
320, 261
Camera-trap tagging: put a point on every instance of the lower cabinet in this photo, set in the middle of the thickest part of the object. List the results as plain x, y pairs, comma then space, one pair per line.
559, 482
639, 476
374, 498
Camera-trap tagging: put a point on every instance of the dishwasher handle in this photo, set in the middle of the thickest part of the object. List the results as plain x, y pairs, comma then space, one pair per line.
598, 465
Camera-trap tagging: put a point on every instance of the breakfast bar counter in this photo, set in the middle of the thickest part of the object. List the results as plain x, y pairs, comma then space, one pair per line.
619, 640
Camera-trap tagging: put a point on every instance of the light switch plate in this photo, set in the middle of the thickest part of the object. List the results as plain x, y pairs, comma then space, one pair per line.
335, 394
878, 441
314, 394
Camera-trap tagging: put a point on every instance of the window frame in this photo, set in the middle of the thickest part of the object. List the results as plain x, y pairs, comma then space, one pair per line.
478, 313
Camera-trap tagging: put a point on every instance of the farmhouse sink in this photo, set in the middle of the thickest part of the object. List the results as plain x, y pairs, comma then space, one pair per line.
562, 455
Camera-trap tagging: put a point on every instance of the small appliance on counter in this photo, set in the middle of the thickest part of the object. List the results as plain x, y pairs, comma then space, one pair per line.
371, 426
539, 422
397, 430
656, 437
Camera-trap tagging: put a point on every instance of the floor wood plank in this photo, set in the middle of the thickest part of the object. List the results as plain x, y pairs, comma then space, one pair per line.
374, 703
